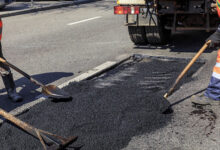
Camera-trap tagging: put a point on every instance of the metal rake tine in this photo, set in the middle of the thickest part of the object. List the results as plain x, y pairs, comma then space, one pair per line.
64, 145
41, 139
69, 141
76, 147
62, 139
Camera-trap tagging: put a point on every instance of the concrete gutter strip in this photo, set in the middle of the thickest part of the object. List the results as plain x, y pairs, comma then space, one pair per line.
43, 8
90, 73
87, 75
84, 76
96, 71
25, 107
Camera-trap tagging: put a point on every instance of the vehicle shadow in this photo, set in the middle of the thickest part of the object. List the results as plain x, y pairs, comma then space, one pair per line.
188, 41
29, 90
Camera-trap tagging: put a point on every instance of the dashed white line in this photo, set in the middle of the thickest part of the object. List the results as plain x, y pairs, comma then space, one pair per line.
69, 24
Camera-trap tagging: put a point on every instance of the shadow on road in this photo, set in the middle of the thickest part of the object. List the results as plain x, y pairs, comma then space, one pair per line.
188, 41
28, 89
105, 112
108, 112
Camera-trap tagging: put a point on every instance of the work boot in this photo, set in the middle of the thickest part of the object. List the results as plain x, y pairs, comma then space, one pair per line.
203, 101
10, 87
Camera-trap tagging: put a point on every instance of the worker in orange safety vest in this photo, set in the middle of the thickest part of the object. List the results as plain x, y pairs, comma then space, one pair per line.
7, 76
212, 93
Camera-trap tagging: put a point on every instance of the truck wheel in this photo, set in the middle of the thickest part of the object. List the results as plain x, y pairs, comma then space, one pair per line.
137, 35
157, 34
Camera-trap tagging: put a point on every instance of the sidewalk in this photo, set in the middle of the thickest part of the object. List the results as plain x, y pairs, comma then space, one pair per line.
18, 8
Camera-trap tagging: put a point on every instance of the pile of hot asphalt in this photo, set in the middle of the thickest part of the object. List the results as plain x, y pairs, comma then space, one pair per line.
106, 111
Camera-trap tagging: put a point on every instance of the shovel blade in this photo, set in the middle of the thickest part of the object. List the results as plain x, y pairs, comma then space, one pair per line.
53, 91
64, 145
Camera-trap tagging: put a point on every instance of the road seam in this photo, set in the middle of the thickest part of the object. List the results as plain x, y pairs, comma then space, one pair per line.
85, 76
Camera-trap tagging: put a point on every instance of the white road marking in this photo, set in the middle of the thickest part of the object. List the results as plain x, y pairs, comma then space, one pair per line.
69, 24
90, 73
84, 76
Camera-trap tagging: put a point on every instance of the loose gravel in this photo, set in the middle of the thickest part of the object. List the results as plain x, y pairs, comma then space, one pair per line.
108, 111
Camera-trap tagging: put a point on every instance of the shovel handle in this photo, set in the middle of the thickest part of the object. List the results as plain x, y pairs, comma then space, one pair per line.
14, 67
21, 72
204, 47
16, 121
32, 130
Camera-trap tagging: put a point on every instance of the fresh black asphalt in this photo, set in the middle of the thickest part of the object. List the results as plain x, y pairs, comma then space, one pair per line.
107, 111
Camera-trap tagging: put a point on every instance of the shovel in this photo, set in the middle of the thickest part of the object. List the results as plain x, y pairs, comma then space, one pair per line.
171, 90
49, 90
48, 140
187, 68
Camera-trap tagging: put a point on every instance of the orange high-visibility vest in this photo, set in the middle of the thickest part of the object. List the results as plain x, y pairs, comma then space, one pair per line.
0, 29
218, 7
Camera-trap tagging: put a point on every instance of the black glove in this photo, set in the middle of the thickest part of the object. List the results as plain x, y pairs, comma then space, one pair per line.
215, 39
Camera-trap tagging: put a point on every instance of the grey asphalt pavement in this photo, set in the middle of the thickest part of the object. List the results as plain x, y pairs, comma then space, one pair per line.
45, 46
57, 45
108, 111
23, 7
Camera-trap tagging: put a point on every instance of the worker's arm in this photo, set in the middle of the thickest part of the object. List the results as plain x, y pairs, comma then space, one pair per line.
215, 38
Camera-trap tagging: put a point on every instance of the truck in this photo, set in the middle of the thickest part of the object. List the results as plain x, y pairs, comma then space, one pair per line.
153, 21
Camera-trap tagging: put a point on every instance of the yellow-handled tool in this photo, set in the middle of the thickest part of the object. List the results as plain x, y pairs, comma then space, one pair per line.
187, 68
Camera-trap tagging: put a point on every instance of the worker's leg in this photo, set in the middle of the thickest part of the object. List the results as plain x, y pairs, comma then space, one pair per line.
8, 81
212, 93
213, 90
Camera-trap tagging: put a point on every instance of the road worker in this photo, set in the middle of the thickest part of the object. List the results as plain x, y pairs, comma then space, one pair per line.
212, 93
7, 76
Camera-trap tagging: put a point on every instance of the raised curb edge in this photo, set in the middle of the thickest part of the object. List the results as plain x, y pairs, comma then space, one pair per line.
87, 75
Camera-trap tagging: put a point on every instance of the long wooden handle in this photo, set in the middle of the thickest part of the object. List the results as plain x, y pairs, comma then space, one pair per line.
15, 68
21, 72
28, 128
187, 68
17, 122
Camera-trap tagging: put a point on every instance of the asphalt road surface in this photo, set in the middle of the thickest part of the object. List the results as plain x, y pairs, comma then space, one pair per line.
57, 45
108, 111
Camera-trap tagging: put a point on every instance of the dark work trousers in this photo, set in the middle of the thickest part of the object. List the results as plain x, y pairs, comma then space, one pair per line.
4, 69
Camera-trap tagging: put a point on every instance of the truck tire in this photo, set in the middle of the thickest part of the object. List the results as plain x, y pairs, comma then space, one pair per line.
137, 35
157, 34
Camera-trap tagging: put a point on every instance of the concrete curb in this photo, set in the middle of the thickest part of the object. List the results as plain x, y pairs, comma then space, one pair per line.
85, 76
32, 10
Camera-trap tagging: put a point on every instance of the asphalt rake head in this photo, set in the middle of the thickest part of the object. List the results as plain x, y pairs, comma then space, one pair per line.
51, 141
48, 140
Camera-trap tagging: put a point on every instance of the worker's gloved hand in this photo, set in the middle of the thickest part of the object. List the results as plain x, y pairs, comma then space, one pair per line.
215, 39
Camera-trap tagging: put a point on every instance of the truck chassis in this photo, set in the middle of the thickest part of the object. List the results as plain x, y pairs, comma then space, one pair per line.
157, 19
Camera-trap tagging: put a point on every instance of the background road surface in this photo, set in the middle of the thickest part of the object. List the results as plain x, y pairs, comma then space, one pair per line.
57, 45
